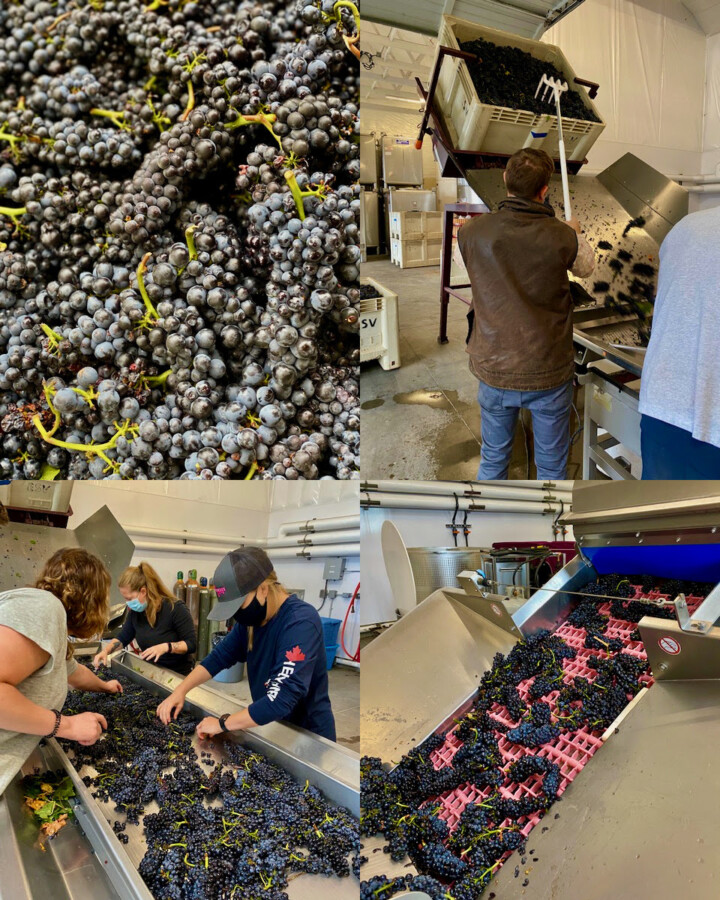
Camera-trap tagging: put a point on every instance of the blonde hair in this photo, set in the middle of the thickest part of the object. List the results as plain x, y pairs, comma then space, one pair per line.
135, 578
277, 593
81, 583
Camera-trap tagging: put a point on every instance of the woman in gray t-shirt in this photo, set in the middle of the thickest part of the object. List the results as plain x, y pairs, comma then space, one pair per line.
36, 665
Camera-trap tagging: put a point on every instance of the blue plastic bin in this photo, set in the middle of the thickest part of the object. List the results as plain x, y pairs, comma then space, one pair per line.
331, 627
331, 653
234, 673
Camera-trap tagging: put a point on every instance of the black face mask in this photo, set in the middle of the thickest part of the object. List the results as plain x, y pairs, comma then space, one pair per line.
253, 614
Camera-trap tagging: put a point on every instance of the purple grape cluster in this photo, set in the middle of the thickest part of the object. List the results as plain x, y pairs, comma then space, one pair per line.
241, 827
180, 218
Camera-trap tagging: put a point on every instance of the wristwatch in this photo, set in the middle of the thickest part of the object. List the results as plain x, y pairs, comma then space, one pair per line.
222, 720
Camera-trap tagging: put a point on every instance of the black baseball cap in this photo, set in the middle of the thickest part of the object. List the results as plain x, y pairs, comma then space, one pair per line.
239, 573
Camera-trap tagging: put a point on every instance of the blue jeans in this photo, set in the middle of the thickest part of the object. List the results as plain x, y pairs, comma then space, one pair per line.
671, 453
499, 411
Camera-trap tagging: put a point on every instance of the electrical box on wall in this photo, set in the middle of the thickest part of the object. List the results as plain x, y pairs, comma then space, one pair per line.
334, 569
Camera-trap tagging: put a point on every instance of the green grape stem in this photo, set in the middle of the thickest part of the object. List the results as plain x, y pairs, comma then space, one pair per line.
12, 213
152, 313
262, 118
117, 118
190, 240
299, 194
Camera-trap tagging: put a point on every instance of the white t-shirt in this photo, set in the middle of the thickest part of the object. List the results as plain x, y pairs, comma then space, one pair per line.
41, 617
681, 377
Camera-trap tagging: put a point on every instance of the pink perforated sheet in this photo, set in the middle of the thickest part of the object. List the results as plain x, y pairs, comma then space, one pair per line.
570, 752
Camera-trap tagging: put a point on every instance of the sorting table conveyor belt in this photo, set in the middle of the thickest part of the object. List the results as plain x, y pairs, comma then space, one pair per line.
571, 751
86, 859
639, 822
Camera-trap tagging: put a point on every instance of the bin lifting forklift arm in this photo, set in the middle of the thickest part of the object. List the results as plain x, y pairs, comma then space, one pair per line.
442, 53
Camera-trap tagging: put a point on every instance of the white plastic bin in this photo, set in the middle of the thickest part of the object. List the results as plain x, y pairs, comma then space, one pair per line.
380, 327
410, 254
51, 496
412, 225
480, 127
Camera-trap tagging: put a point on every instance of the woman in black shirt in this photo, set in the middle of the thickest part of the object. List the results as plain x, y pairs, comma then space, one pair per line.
160, 623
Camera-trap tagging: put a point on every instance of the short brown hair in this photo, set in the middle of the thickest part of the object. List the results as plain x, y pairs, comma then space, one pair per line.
81, 583
144, 576
527, 172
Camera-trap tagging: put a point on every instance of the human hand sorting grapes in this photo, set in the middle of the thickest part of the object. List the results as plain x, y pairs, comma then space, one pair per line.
153, 654
171, 707
208, 727
113, 687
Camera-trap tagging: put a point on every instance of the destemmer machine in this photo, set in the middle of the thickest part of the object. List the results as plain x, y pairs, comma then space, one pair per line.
640, 820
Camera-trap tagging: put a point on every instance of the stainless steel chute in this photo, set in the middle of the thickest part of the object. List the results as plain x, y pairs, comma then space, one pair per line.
25, 548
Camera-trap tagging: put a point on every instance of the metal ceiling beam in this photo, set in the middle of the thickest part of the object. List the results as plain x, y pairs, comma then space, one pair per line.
400, 84
378, 19
397, 88
372, 41
409, 69
392, 105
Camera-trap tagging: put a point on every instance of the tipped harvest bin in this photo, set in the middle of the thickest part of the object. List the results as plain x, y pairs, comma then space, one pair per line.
481, 127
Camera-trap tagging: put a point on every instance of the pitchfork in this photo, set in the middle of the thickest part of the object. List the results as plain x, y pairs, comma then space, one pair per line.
557, 87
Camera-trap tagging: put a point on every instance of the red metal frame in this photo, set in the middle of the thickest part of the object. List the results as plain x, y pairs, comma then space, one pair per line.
446, 289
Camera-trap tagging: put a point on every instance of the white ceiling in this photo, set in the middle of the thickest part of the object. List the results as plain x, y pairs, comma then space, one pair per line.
517, 16
387, 90
524, 17
707, 13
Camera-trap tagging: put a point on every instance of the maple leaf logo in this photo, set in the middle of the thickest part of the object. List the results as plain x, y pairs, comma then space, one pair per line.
295, 655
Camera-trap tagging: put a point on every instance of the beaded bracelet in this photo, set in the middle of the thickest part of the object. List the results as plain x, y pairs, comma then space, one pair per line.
57, 725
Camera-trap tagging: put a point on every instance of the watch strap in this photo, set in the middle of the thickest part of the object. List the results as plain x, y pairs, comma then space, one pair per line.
222, 721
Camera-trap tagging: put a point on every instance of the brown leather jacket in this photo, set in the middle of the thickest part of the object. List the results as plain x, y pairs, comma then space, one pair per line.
518, 259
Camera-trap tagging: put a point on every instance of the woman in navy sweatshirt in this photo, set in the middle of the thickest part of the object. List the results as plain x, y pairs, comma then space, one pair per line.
279, 636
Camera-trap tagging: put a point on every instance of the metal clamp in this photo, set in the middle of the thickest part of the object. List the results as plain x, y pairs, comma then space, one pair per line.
593, 85
704, 617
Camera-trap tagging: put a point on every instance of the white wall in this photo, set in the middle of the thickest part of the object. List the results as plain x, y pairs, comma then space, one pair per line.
325, 500
711, 139
232, 508
427, 528
649, 59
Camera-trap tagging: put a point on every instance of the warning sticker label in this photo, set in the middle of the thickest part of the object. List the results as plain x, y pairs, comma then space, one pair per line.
669, 645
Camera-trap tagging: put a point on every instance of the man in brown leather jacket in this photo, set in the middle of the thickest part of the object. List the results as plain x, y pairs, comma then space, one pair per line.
520, 340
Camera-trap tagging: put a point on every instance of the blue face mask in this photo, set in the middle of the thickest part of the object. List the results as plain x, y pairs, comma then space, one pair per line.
136, 605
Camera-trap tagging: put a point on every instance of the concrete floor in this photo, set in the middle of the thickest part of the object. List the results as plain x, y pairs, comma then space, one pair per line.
344, 696
422, 421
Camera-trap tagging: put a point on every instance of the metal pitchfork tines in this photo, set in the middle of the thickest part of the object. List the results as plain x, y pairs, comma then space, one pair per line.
555, 87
